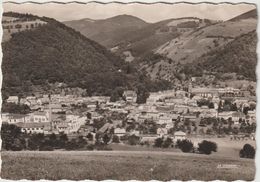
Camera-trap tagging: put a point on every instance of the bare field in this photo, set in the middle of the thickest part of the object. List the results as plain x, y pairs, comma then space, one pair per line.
122, 165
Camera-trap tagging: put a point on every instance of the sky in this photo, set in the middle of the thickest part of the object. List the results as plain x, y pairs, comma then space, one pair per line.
149, 13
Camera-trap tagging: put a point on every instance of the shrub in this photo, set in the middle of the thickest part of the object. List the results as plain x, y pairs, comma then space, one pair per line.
206, 147
46, 148
124, 138
248, 151
90, 147
167, 143
133, 140
115, 139
106, 139
71, 145
102, 147
158, 142
185, 145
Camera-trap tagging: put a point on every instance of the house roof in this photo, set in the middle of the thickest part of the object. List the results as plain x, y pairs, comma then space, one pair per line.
162, 130
39, 113
17, 116
34, 125
104, 127
119, 130
179, 133
130, 93
238, 114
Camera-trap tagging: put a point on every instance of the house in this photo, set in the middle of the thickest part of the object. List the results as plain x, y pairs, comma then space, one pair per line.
179, 135
238, 115
34, 127
180, 108
40, 117
175, 116
191, 117
25, 102
75, 124
252, 114
148, 138
142, 118
164, 119
119, 132
15, 118
162, 132
130, 96
176, 100
181, 93
209, 113
169, 126
56, 108
92, 105
62, 127
192, 102
225, 115
95, 115
33, 100
135, 132
204, 92
13, 99
153, 114
105, 127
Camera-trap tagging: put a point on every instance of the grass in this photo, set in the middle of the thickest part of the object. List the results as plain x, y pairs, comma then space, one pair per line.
122, 165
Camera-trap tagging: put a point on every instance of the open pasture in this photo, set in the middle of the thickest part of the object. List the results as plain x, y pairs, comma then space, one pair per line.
123, 165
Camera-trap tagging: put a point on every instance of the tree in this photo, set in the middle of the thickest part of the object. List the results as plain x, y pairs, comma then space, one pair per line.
117, 93
12, 138
89, 115
211, 105
115, 139
206, 147
248, 151
16, 108
185, 145
90, 137
35, 141
133, 140
81, 141
71, 145
52, 136
167, 143
63, 140
245, 110
158, 142
234, 107
142, 94
106, 139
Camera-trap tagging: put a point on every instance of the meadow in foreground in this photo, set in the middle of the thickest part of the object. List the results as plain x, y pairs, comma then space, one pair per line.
122, 165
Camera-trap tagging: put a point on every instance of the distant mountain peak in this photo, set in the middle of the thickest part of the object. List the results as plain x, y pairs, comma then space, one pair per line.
124, 18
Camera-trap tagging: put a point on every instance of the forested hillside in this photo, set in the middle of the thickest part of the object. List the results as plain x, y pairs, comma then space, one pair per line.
239, 56
56, 53
108, 32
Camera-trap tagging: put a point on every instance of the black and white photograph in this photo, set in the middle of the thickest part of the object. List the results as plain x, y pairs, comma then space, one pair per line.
128, 91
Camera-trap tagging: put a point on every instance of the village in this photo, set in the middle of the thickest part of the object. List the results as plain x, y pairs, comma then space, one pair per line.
176, 114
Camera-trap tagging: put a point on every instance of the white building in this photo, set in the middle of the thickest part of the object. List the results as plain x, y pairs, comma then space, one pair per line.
119, 132
130, 96
13, 99
179, 135
161, 132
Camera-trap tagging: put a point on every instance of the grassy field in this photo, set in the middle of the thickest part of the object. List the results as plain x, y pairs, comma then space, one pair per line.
122, 165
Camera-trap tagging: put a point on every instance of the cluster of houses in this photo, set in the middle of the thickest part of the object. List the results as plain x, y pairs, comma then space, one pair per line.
55, 113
